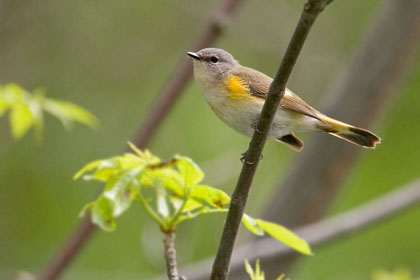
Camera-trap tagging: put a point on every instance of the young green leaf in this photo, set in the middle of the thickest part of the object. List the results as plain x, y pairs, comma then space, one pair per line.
189, 171
21, 119
38, 116
215, 197
122, 189
257, 274
102, 213
249, 269
165, 176
68, 112
177, 197
285, 236
162, 203
88, 167
26, 111
189, 206
251, 224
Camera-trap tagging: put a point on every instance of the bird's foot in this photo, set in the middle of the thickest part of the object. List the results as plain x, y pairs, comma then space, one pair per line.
244, 158
254, 126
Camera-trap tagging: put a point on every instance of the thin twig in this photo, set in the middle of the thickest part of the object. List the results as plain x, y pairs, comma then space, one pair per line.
170, 257
167, 98
310, 12
330, 229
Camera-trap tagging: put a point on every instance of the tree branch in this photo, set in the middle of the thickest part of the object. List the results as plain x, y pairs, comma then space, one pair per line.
170, 257
167, 98
330, 229
310, 12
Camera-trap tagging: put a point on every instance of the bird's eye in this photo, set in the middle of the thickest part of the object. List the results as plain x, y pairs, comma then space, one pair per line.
214, 59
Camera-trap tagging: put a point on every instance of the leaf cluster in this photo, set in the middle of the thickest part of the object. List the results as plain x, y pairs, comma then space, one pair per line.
170, 191
26, 111
258, 274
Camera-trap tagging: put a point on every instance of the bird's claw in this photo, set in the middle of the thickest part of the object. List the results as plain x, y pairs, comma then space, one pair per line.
244, 160
254, 125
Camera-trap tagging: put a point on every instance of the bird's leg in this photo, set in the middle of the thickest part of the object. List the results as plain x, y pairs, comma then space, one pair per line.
243, 158
254, 125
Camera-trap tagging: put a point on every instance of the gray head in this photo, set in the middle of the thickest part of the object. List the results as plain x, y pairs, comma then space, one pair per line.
212, 64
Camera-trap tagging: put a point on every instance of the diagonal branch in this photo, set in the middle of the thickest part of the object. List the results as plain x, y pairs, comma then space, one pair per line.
167, 98
310, 12
330, 229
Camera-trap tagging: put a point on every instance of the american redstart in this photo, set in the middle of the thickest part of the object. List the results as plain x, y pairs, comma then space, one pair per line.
237, 93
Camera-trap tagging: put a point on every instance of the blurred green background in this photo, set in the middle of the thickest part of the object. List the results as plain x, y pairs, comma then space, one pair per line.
112, 57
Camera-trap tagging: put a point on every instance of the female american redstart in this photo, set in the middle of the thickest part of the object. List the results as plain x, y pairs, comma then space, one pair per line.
237, 93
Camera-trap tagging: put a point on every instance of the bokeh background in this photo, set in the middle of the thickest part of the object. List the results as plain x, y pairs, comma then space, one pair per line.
112, 57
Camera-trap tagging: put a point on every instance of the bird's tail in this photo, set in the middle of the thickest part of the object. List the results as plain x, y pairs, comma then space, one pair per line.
355, 135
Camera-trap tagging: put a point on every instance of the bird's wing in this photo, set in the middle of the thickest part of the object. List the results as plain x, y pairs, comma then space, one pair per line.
259, 84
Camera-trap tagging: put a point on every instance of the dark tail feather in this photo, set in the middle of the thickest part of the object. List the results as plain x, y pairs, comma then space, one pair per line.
355, 135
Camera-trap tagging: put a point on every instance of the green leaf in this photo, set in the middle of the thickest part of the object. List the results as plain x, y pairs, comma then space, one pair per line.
88, 167
251, 224
167, 177
121, 190
107, 168
21, 119
13, 93
129, 161
68, 112
78, 113
119, 193
189, 206
285, 236
249, 269
102, 213
162, 203
257, 274
37, 113
215, 197
190, 172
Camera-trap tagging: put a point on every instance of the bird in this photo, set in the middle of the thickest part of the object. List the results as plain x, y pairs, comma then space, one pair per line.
237, 94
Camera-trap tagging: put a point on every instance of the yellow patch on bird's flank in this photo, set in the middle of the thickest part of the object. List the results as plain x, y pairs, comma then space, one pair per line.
237, 88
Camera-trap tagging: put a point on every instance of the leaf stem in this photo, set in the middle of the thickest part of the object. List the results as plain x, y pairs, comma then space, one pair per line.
174, 221
150, 210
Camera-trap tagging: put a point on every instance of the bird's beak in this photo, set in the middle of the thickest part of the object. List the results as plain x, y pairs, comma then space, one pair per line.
194, 55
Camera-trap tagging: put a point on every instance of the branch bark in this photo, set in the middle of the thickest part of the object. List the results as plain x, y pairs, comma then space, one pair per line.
170, 257
167, 98
312, 9
317, 234
358, 97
